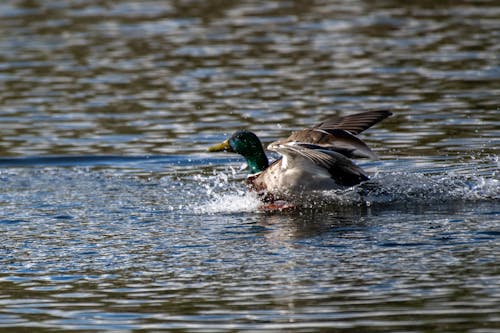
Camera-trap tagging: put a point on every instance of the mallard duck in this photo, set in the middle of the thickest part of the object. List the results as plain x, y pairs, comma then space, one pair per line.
313, 159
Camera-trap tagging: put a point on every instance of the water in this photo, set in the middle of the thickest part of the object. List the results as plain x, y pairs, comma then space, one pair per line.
114, 218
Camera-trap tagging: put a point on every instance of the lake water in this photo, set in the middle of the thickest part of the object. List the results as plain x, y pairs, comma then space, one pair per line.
114, 218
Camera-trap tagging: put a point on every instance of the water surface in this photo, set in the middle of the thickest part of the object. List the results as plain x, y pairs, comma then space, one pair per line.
114, 218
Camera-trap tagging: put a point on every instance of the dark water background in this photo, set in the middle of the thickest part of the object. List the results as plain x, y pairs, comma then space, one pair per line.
113, 217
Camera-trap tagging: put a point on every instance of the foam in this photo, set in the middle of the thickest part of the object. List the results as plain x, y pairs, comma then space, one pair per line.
463, 184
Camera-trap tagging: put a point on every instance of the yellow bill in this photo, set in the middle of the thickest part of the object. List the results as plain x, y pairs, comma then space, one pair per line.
224, 146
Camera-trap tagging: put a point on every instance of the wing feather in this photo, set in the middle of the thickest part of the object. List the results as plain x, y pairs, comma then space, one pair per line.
355, 123
339, 133
340, 168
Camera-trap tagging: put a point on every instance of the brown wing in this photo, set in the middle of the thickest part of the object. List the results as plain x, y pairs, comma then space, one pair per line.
338, 133
340, 168
354, 123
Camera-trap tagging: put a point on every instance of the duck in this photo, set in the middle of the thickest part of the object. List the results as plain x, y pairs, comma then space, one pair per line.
315, 159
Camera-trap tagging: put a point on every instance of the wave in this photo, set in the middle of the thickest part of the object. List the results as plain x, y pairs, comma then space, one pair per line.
383, 189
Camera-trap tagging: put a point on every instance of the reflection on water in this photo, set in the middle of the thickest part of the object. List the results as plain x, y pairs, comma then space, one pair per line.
159, 77
114, 218
145, 259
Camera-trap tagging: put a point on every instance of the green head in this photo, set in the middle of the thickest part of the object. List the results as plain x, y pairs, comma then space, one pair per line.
249, 146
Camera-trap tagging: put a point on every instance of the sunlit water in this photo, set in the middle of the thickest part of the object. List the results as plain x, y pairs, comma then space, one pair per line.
113, 216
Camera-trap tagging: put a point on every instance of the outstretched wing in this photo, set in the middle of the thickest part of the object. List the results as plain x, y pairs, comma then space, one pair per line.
338, 133
354, 123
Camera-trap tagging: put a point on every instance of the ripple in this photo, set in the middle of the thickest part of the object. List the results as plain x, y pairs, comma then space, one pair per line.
115, 218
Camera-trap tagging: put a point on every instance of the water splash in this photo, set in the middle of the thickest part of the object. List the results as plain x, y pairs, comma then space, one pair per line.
385, 188
230, 203
224, 195
400, 187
